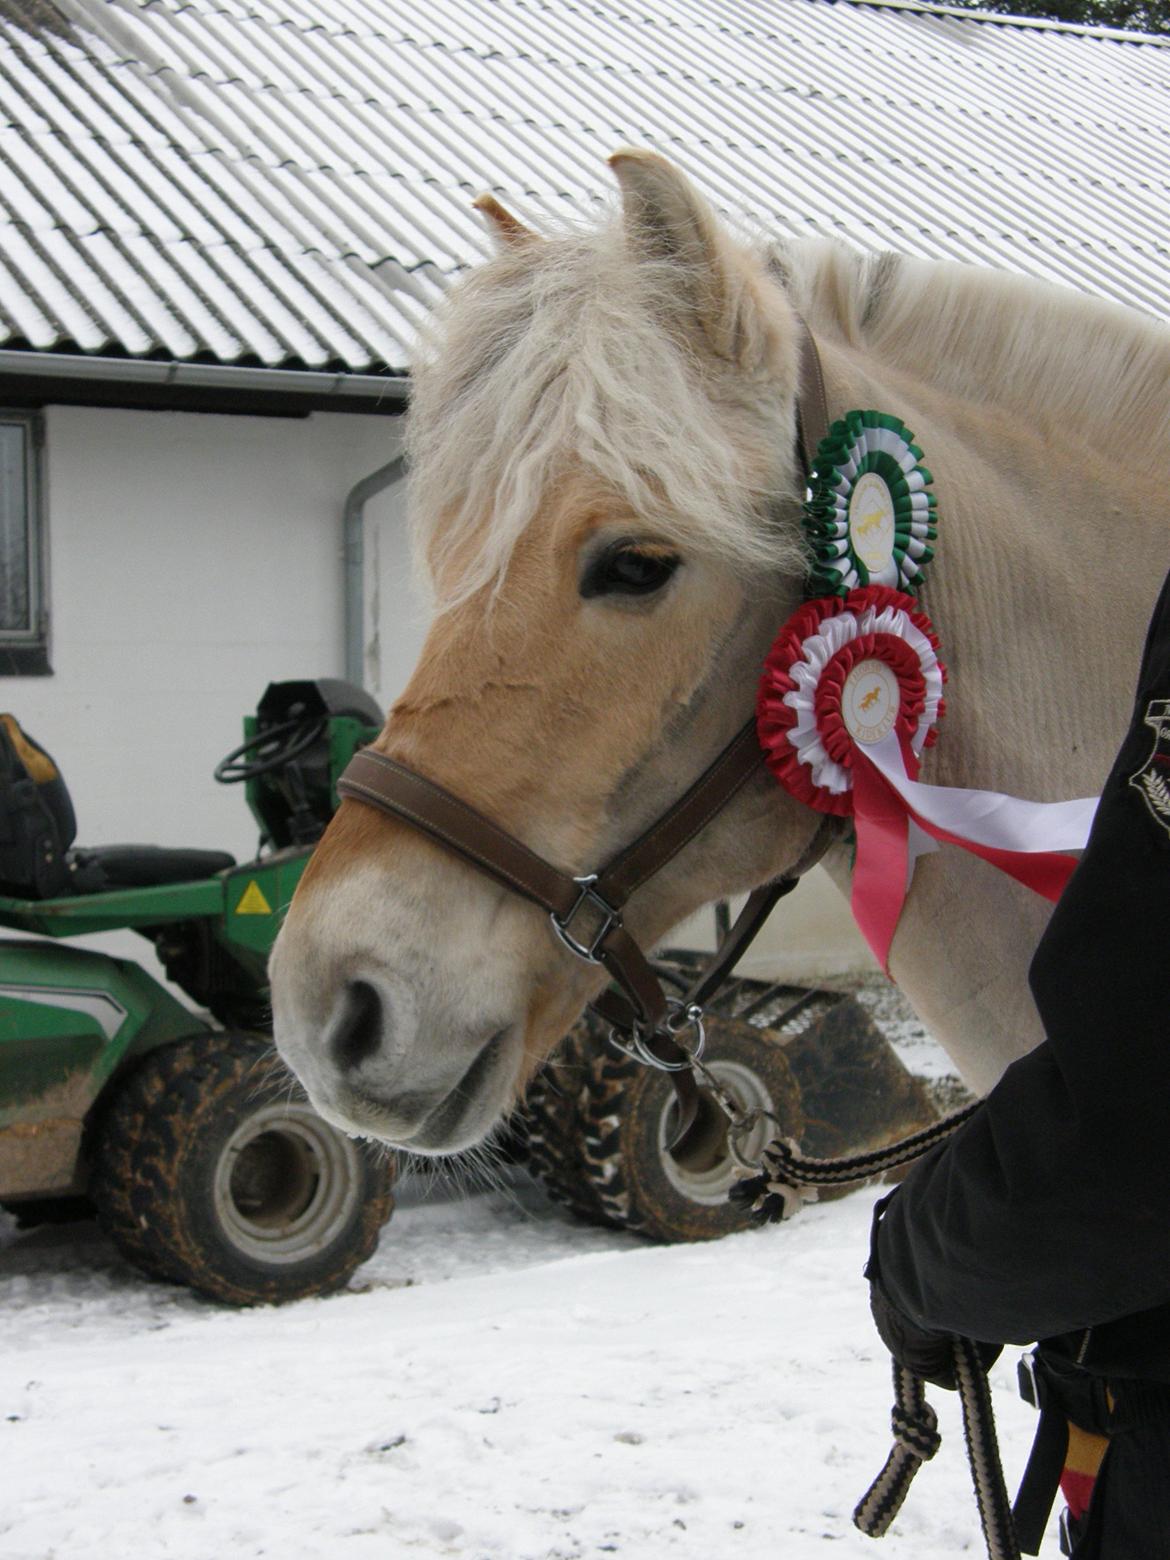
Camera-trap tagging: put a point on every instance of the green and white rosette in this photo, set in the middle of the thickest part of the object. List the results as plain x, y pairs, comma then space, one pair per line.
870, 516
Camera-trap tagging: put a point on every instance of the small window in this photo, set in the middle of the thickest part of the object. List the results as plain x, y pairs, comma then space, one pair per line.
23, 619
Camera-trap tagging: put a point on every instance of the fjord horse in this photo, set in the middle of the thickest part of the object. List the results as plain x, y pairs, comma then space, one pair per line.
606, 498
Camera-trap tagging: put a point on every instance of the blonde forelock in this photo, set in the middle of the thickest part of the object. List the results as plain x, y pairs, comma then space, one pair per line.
560, 358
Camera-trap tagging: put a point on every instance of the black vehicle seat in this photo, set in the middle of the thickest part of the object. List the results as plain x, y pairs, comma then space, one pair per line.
101, 867
38, 826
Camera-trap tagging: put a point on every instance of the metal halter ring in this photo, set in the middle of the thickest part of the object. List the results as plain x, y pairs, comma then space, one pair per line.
686, 1015
683, 1015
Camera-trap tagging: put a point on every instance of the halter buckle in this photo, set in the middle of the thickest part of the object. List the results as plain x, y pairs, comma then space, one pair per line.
609, 919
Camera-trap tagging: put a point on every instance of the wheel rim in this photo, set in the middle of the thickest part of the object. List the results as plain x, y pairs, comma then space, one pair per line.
286, 1184
703, 1169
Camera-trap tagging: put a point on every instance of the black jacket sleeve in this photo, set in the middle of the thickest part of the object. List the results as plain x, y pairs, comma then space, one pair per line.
1050, 1211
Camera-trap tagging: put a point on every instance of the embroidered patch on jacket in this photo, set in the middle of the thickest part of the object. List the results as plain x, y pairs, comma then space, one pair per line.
1152, 780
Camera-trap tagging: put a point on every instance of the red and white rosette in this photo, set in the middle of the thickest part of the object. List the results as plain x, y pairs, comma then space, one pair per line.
850, 698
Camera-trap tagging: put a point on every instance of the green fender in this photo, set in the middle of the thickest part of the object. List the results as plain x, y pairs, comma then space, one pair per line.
69, 1019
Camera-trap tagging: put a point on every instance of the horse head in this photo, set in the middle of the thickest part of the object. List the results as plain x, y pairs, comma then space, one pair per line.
605, 497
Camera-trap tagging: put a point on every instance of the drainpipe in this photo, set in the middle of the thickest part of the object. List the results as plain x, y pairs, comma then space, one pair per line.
353, 551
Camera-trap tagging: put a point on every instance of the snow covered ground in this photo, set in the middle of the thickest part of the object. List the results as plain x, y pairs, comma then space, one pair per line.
500, 1384
503, 1385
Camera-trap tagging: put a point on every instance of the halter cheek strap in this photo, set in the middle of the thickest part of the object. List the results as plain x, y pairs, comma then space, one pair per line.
586, 912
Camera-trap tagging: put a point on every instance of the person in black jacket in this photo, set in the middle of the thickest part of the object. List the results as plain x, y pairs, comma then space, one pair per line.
1047, 1216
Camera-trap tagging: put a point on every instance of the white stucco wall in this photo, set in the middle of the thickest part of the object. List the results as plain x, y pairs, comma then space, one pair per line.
194, 558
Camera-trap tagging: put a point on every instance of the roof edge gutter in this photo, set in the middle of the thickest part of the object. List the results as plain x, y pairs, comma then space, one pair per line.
206, 376
972, 13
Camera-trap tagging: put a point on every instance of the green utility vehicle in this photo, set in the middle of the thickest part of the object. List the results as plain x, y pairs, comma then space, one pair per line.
204, 1161
178, 1123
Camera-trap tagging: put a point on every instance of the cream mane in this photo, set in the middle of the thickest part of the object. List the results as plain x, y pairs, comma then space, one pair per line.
1094, 368
559, 356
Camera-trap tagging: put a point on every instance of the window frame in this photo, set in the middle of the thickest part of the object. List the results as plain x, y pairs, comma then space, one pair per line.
25, 652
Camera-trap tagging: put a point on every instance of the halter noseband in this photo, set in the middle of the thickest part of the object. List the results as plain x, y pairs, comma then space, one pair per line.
586, 911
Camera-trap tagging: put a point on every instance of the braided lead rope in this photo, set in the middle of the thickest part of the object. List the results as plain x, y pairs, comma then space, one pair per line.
991, 1497
786, 1179
916, 1439
776, 1191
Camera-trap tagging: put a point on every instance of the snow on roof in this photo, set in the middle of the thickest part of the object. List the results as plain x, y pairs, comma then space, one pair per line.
289, 182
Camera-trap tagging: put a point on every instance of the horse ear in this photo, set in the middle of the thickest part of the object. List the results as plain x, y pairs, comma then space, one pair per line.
667, 219
505, 228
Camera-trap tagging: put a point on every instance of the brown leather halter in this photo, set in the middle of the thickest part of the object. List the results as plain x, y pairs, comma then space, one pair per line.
586, 911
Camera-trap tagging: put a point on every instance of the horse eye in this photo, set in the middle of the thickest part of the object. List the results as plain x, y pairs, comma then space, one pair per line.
628, 570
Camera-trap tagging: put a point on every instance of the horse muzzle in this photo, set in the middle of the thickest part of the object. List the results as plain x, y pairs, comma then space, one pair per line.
379, 1066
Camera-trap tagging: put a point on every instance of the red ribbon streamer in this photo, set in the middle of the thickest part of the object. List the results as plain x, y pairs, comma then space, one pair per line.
881, 871
882, 863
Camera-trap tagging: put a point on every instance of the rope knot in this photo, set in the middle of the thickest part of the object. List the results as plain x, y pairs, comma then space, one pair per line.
916, 1431
916, 1439
776, 1192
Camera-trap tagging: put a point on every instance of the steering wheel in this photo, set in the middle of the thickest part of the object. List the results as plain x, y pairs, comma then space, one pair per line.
271, 749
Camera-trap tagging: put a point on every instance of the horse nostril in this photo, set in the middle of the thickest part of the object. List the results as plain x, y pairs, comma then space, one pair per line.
358, 1034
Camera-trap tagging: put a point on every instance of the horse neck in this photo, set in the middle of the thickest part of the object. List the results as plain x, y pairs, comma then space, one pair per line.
1041, 632
1041, 620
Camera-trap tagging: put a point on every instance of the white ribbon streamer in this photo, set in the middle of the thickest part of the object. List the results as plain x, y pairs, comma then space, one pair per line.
986, 818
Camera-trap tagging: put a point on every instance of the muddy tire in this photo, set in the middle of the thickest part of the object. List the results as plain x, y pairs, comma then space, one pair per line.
209, 1172
552, 1126
628, 1114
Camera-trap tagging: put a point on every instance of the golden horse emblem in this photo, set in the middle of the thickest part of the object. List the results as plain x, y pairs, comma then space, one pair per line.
872, 520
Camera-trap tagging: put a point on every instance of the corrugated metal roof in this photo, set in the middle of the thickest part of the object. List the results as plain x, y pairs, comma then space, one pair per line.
288, 182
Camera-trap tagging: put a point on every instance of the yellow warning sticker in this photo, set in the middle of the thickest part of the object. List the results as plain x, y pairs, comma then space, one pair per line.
253, 902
